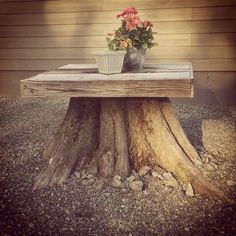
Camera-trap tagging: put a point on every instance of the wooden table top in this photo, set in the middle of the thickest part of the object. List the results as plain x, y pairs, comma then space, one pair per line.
83, 80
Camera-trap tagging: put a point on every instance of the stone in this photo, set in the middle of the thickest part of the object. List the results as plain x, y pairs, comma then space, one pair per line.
214, 165
208, 166
77, 174
157, 175
172, 182
136, 186
189, 190
159, 170
99, 186
131, 178
116, 183
144, 170
117, 177
230, 182
83, 175
89, 176
87, 181
168, 175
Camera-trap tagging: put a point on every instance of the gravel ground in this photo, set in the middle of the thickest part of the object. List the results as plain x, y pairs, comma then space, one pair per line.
98, 209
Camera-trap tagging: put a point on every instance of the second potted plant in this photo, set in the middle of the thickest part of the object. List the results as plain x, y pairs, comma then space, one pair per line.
134, 36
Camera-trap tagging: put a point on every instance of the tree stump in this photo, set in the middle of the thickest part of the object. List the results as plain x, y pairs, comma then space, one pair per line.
111, 136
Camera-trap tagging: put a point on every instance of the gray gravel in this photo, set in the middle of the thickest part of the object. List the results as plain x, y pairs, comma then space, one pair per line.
99, 209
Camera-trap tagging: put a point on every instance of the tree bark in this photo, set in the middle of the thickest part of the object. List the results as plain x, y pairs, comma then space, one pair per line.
114, 135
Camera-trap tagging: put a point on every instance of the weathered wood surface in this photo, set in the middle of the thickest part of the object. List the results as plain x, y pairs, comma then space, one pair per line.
157, 80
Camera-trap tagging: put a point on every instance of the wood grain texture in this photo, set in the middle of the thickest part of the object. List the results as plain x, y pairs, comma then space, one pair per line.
32, 65
85, 41
164, 80
167, 27
170, 14
86, 17
95, 5
217, 52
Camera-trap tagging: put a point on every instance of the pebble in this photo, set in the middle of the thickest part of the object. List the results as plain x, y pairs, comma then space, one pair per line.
89, 176
136, 186
78, 175
209, 166
87, 181
131, 178
189, 190
117, 177
214, 165
158, 169
230, 182
157, 175
99, 186
116, 183
168, 175
171, 182
144, 170
83, 175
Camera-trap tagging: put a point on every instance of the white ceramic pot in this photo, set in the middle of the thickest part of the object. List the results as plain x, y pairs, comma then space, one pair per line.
109, 62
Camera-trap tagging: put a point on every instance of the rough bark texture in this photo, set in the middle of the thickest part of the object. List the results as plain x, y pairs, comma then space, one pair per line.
157, 138
113, 147
73, 144
124, 132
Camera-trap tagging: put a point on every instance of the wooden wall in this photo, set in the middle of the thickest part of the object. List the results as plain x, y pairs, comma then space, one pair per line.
41, 35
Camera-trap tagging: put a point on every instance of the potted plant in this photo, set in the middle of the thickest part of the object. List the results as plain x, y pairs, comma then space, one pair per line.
134, 36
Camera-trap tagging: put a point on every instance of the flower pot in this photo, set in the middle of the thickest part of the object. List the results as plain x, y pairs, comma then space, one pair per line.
134, 59
109, 62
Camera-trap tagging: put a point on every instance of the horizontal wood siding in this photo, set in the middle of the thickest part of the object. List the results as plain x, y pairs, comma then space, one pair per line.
42, 35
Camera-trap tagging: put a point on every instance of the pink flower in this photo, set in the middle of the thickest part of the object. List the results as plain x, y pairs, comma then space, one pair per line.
128, 11
132, 22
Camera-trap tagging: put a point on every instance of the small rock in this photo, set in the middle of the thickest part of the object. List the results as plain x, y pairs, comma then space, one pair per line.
206, 158
131, 178
83, 175
136, 185
99, 187
186, 229
117, 177
87, 181
159, 170
171, 182
31, 225
189, 190
116, 183
157, 175
89, 176
168, 175
209, 166
78, 175
198, 163
214, 165
144, 170
230, 182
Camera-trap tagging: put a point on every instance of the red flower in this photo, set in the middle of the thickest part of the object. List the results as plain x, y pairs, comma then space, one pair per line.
132, 22
128, 11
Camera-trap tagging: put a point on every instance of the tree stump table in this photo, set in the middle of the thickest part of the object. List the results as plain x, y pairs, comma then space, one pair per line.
119, 122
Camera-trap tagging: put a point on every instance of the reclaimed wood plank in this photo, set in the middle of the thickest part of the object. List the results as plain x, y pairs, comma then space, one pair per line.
157, 80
